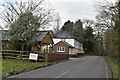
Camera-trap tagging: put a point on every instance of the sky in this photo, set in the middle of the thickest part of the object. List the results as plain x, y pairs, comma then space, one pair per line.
73, 9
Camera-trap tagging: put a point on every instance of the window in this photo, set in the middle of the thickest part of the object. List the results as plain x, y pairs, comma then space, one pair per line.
60, 49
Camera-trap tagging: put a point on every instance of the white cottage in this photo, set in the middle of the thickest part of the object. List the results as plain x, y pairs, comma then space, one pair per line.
68, 38
78, 46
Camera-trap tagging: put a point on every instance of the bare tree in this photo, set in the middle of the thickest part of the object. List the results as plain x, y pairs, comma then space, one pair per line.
57, 22
106, 15
108, 19
13, 8
88, 23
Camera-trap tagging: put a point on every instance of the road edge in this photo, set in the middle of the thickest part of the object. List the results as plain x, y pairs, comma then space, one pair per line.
110, 73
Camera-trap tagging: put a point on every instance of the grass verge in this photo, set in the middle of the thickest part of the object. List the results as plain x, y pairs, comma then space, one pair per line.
0, 68
13, 66
114, 66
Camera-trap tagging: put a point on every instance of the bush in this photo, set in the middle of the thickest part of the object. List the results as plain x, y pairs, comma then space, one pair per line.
41, 54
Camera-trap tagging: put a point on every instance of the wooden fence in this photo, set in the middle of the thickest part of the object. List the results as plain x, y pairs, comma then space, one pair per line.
14, 54
24, 55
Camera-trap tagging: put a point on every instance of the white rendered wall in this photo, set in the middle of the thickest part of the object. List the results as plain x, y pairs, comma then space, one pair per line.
78, 44
70, 41
56, 40
73, 42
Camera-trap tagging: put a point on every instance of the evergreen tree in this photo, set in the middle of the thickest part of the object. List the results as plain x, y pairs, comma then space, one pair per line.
78, 30
88, 42
68, 26
25, 28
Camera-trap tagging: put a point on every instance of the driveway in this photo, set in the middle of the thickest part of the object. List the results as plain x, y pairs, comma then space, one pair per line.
85, 67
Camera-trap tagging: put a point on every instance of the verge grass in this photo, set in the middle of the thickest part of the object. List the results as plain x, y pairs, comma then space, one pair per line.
13, 66
114, 66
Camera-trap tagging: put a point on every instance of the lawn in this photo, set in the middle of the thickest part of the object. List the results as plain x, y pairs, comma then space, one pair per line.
0, 68
114, 66
13, 66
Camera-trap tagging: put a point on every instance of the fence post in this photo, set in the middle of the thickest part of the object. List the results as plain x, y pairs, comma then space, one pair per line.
21, 54
44, 57
2, 54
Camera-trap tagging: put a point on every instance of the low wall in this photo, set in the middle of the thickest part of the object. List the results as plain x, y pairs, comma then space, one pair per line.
73, 55
55, 57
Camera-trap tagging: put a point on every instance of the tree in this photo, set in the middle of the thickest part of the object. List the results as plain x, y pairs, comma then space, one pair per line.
57, 23
119, 28
105, 15
88, 23
98, 46
111, 44
12, 9
25, 18
68, 26
99, 30
88, 36
108, 22
108, 14
78, 30
25, 29
88, 42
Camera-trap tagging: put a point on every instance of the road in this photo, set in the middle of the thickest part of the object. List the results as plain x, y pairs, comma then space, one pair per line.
85, 67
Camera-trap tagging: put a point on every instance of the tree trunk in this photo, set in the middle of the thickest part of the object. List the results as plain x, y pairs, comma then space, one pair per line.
119, 30
22, 49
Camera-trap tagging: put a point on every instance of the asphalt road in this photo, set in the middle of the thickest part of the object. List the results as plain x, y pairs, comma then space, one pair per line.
85, 67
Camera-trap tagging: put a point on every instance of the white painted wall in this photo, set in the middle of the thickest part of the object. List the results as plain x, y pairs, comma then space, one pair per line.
56, 40
78, 44
70, 41
72, 51
73, 42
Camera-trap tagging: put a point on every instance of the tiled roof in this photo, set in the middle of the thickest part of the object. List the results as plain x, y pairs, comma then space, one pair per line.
5, 36
64, 34
41, 36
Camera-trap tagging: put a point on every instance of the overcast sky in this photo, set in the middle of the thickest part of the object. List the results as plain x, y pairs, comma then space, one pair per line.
74, 9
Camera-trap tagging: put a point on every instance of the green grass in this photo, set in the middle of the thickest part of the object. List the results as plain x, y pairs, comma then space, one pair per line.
11, 66
0, 67
114, 66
